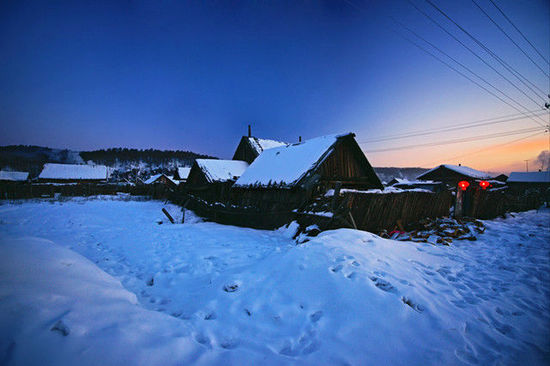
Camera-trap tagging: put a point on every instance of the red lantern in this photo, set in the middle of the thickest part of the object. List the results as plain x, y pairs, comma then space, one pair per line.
484, 184
463, 185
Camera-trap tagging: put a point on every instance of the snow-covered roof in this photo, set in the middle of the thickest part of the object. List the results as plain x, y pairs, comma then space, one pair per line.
221, 170
73, 171
263, 144
529, 177
286, 165
13, 176
155, 177
183, 172
464, 170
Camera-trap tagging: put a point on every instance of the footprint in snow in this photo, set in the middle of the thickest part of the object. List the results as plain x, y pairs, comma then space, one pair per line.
383, 284
337, 268
202, 339
316, 316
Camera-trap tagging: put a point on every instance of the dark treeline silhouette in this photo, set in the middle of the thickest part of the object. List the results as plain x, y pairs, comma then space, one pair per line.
114, 156
30, 158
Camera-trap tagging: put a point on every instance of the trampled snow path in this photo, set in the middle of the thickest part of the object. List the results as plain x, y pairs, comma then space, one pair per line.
214, 294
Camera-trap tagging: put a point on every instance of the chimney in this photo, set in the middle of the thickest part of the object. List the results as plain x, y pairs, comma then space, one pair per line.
249, 131
299, 138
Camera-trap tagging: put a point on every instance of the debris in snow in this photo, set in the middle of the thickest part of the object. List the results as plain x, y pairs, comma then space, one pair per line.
151, 281
168, 215
61, 328
439, 231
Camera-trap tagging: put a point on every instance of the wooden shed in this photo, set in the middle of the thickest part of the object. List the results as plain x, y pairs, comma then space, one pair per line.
523, 181
162, 179
250, 147
210, 179
288, 176
452, 174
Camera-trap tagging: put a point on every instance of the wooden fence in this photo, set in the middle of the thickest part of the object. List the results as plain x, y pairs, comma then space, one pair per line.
375, 212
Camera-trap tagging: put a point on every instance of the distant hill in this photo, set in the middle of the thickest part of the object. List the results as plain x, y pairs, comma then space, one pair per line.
125, 163
387, 174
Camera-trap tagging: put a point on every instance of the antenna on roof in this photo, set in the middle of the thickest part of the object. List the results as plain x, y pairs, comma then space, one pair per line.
249, 131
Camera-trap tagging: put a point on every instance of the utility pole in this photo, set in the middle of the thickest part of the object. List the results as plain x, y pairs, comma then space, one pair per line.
526, 165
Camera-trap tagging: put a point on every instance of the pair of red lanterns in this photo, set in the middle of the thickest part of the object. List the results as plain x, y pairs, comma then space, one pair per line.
465, 184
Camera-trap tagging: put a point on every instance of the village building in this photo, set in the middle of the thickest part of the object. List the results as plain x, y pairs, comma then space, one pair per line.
161, 179
521, 181
288, 176
250, 147
452, 174
9, 176
181, 174
73, 173
211, 179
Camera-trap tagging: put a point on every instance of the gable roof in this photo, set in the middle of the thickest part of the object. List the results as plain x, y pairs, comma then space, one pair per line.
287, 165
74, 172
464, 170
183, 172
155, 177
529, 177
221, 170
13, 176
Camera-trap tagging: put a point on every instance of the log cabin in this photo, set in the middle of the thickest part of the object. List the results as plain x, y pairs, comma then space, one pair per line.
210, 179
250, 147
289, 176
452, 174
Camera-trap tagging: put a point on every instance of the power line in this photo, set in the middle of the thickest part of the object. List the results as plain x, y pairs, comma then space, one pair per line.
510, 38
517, 29
463, 66
484, 149
514, 72
456, 141
467, 77
431, 19
445, 129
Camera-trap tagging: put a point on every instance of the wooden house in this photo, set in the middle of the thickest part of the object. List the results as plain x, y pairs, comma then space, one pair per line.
452, 174
161, 179
210, 179
73, 173
250, 147
288, 176
523, 181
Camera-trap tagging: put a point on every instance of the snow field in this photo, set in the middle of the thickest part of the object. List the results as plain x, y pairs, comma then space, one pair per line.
205, 293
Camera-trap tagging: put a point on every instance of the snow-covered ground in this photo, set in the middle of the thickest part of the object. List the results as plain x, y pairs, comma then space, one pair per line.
99, 281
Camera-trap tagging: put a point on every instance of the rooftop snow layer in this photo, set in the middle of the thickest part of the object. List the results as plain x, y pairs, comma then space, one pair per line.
530, 177
286, 165
221, 170
263, 144
13, 176
183, 172
470, 172
154, 178
73, 171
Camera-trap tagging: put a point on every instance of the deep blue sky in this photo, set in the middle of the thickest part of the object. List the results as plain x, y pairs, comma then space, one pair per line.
192, 74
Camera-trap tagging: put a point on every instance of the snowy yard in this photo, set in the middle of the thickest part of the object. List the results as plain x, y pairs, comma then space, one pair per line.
100, 282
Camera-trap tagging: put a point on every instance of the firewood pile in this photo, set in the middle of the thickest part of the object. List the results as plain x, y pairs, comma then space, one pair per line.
439, 231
